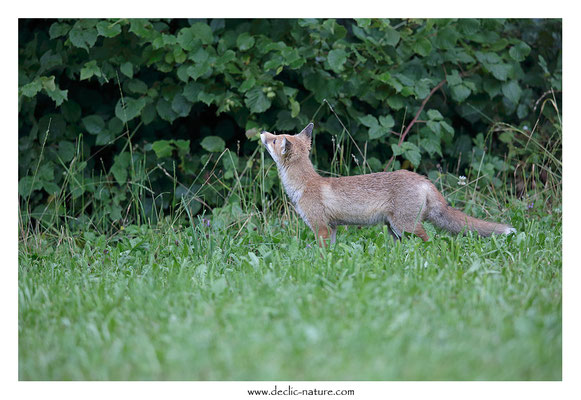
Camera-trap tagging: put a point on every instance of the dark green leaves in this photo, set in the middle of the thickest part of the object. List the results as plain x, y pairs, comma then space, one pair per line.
203, 32
120, 167
197, 70
206, 98
454, 78
187, 39
127, 69
409, 151
90, 69
66, 150
377, 129
136, 86
257, 101
435, 115
27, 185
395, 102
83, 34
129, 108
512, 91
391, 36
422, 88
48, 84
275, 62
58, 29
468, 26
181, 105
431, 142
192, 90
494, 64
519, 51
165, 148
162, 148
226, 58
32, 88
71, 111
191, 37
295, 108
94, 124
488, 58
213, 144
108, 29
292, 58
446, 38
165, 110
336, 59
247, 84
437, 130
500, 71
142, 28
459, 90
423, 47
386, 121
245, 41
50, 60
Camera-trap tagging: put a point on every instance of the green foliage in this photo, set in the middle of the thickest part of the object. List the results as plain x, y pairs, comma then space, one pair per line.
213, 144
127, 94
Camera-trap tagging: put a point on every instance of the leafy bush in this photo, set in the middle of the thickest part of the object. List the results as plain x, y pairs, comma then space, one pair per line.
121, 118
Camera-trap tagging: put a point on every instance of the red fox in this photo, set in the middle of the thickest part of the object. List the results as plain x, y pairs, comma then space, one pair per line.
401, 199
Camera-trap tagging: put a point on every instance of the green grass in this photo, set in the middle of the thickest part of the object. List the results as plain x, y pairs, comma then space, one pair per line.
249, 301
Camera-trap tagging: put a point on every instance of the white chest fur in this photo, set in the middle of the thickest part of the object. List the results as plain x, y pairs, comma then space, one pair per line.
294, 192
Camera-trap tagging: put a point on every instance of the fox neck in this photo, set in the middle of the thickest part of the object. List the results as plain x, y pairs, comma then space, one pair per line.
296, 175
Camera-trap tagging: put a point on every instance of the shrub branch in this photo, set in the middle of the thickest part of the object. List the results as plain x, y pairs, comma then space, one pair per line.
409, 127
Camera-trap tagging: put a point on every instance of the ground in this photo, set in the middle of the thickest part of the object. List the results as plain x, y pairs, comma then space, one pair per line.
262, 302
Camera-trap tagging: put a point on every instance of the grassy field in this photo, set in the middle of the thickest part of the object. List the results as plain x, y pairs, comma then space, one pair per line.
256, 301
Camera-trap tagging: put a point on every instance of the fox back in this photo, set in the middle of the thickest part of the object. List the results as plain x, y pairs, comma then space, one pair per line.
402, 199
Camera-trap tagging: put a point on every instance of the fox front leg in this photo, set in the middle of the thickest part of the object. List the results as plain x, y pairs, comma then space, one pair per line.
325, 233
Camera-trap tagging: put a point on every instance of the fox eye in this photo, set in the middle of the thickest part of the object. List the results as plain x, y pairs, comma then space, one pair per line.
274, 141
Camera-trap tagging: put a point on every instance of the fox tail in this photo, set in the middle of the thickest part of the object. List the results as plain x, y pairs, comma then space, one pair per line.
455, 221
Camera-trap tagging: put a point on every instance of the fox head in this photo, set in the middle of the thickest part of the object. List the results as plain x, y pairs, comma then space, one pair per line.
285, 148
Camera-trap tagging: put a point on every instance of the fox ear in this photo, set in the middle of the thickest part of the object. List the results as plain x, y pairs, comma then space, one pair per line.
308, 131
285, 146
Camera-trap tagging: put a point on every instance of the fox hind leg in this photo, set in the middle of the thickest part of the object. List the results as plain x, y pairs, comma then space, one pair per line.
327, 233
322, 233
416, 228
393, 232
421, 232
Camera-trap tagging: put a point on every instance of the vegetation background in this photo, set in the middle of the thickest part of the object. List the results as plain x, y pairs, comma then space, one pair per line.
150, 221
109, 108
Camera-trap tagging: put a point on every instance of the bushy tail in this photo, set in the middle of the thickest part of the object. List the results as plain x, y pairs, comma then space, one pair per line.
455, 221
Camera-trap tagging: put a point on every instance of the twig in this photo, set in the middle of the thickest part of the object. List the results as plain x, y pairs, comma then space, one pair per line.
434, 90
548, 92
409, 127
